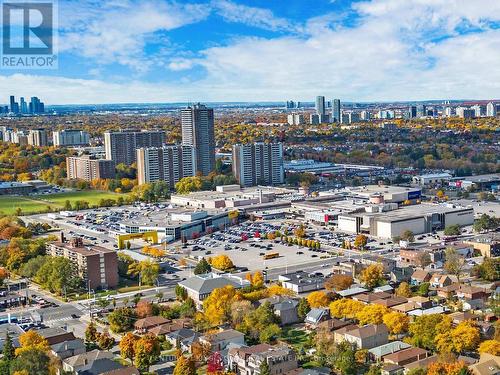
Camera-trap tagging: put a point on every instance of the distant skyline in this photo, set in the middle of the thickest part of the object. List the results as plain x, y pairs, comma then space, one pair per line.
158, 51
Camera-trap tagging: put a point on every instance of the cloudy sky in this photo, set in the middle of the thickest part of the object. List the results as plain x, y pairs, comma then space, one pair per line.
121, 51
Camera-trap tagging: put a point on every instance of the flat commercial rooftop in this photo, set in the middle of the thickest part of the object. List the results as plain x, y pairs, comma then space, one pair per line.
414, 211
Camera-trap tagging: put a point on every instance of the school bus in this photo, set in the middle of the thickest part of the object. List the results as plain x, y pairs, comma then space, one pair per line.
270, 256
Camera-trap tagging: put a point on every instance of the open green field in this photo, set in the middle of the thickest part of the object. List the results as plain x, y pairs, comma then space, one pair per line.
41, 203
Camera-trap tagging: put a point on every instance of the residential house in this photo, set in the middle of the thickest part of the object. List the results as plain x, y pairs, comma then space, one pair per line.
391, 369
459, 316
183, 338
199, 287
352, 291
284, 307
370, 297
400, 274
56, 335
406, 356
420, 276
421, 302
384, 288
391, 302
221, 340
68, 348
440, 281
145, 324
310, 371
422, 363
333, 324
247, 360
368, 336
378, 352
339, 334
488, 364
96, 362
316, 316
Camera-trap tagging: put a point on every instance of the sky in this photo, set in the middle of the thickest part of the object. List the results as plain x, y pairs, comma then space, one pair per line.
138, 51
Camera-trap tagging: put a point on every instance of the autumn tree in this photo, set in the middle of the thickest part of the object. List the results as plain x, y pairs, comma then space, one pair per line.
361, 241
464, 337
372, 275
147, 351
396, 322
490, 347
217, 306
144, 309
318, 299
200, 350
424, 329
91, 333
403, 290
408, 236
345, 308
221, 262
338, 282
447, 368
127, 346
184, 366
32, 340
105, 341
371, 314
423, 259
215, 364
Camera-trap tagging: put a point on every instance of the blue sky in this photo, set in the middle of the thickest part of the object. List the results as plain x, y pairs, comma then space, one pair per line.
234, 50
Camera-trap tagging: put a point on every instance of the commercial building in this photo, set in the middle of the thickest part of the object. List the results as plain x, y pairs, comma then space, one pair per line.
258, 164
38, 137
88, 169
465, 112
320, 105
15, 188
166, 163
385, 222
479, 182
491, 109
429, 179
70, 137
336, 110
198, 131
302, 282
96, 265
121, 146
382, 193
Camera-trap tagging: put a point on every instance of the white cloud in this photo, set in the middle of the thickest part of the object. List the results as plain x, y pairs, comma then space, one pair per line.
252, 16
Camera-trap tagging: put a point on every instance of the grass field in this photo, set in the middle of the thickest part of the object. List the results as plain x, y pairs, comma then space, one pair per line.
41, 203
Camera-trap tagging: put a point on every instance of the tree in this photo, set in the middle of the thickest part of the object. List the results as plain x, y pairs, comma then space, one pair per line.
121, 319
31, 362
239, 309
374, 370
58, 274
396, 322
257, 279
318, 299
127, 346
32, 340
452, 230
180, 292
147, 351
217, 306
486, 222
423, 289
361, 241
408, 236
147, 270
345, 358
269, 333
490, 346
425, 328
8, 348
464, 337
91, 333
202, 267
454, 263
488, 270
105, 341
299, 232
144, 309
187, 185
200, 350
215, 364
345, 308
264, 368
403, 290
423, 259
447, 368
222, 262
372, 314
372, 275
184, 366
303, 308
338, 282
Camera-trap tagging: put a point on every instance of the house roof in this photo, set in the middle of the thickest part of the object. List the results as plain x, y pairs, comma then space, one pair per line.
248, 350
405, 354
225, 335
123, 371
165, 328
390, 302
370, 297
99, 367
405, 307
88, 357
352, 291
150, 321
68, 345
333, 324
420, 275
315, 315
392, 347
488, 364
422, 363
206, 283
368, 331
418, 299
56, 335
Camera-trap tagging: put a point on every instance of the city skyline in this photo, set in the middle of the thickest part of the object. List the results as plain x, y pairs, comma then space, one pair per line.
380, 50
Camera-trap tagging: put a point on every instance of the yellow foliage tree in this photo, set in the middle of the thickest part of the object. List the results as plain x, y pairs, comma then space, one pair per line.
396, 322
490, 346
403, 290
372, 275
278, 290
217, 307
318, 299
222, 262
464, 337
372, 314
32, 340
345, 308
257, 279
444, 368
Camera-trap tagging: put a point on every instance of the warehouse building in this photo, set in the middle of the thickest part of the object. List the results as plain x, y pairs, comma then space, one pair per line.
423, 218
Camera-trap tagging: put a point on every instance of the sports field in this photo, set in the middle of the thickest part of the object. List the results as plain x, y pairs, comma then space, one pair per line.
41, 203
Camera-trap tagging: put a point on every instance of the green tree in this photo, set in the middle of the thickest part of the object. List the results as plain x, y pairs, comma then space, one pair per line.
303, 308
264, 368
270, 333
188, 184
423, 289
488, 270
345, 358
202, 267
408, 235
452, 230
8, 348
180, 292
121, 319
58, 274
91, 334
33, 362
